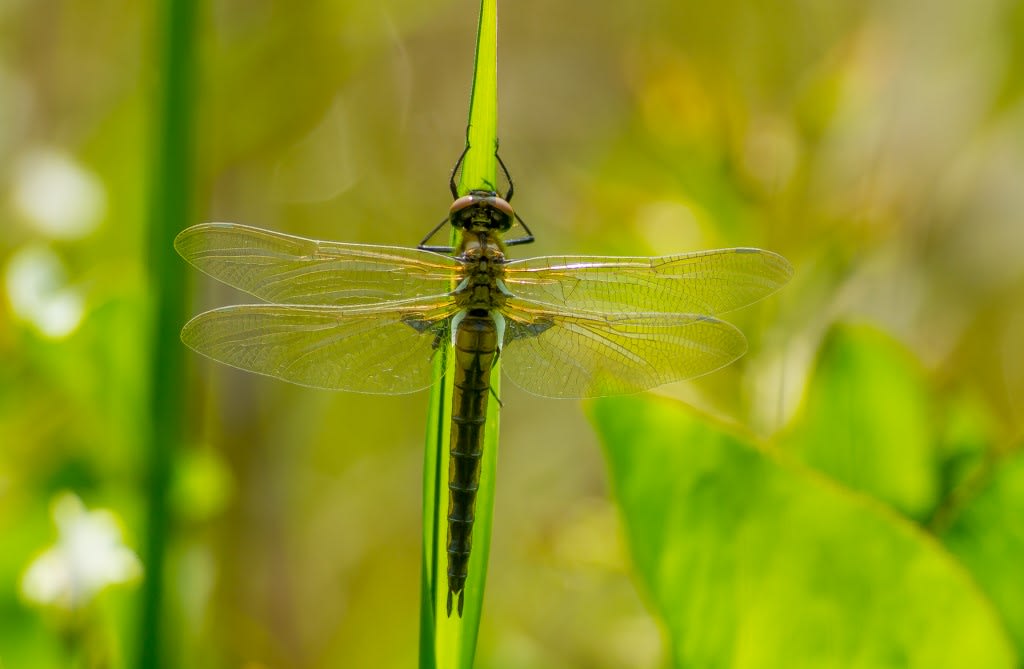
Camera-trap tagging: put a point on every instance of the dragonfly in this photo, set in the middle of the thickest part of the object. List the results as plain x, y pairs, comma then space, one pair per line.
371, 319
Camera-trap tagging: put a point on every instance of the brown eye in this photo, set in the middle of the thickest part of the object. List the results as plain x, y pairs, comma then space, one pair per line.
502, 206
460, 204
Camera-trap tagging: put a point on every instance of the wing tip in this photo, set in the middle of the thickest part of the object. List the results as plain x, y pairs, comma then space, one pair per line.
780, 262
182, 240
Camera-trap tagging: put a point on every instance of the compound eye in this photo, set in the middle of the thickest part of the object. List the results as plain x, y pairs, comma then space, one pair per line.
461, 204
501, 213
504, 207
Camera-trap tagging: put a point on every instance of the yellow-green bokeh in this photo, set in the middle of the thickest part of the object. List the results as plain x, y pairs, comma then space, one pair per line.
877, 145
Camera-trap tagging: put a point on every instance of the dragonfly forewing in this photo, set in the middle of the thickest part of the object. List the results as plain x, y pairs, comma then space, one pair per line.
705, 282
554, 353
293, 270
385, 349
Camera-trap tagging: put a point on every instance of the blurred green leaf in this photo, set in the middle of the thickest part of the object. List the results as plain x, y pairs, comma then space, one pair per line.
201, 486
867, 420
968, 434
987, 534
752, 561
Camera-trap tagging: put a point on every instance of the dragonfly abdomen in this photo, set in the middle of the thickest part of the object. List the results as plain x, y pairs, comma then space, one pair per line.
476, 346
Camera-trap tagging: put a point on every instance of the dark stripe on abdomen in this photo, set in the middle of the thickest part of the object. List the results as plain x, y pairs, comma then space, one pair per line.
475, 349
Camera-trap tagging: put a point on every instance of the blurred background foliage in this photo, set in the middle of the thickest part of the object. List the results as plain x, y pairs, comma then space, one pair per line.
878, 145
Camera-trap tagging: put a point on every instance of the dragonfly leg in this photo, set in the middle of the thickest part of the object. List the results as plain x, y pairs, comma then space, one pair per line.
436, 249
501, 405
455, 170
508, 177
508, 198
528, 239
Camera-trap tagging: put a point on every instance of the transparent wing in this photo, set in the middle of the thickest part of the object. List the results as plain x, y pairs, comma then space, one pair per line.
385, 349
553, 353
706, 282
293, 270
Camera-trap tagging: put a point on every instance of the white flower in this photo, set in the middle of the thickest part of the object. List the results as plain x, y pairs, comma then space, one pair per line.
58, 196
87, 557
39, 292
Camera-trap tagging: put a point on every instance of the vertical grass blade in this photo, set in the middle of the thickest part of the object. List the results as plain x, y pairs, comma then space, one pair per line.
169, 210
450, 642
479, 168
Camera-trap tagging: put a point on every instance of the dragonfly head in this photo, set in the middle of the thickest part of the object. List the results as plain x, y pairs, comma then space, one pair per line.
481, 211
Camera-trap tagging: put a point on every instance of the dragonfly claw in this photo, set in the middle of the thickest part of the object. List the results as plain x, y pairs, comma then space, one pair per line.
461, 602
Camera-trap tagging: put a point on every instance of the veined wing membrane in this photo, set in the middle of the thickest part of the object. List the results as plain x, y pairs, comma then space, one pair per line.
294, 270
386, 349
705, 282
553, 353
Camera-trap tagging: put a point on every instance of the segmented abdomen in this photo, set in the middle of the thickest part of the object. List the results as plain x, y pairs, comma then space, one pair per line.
476, 345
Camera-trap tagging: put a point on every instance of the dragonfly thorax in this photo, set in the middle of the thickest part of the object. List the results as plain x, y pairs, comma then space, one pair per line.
484, 261
481, 211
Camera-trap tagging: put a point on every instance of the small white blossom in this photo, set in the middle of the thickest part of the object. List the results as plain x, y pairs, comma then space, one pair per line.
57, 195
40, 293
88, 557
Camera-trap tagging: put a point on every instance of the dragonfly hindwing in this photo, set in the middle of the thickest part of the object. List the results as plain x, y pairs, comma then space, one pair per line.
423, 325
520, 329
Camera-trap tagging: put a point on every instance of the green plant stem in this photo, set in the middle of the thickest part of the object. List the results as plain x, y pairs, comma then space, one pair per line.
450, 642
479, 167
170, 206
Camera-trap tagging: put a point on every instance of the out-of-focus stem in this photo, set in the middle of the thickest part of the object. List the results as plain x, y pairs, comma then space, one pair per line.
169, 211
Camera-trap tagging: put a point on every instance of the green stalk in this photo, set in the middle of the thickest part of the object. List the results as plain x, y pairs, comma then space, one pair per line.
480, 166
450, 642
170, 208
